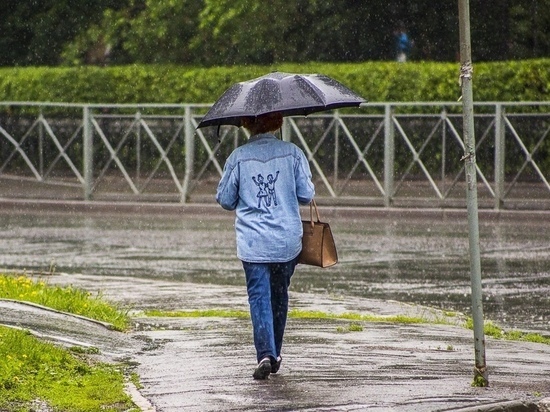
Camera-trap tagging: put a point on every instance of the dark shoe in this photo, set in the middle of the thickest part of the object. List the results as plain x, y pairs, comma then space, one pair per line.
263, 370
275, 366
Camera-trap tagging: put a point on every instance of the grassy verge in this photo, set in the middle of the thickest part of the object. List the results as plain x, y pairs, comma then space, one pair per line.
354, 318
66, 299
33, 372
491, 329
293, 313
497, 332
307, 314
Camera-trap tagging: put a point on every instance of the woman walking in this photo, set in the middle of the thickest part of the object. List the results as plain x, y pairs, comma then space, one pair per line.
269, 233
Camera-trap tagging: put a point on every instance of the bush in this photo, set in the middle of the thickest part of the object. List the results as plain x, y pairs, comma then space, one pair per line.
527, 80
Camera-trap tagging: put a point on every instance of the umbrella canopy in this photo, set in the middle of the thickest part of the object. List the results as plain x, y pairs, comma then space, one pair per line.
290, 94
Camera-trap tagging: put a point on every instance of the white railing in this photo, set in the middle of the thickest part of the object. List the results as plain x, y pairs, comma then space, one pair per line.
381, 154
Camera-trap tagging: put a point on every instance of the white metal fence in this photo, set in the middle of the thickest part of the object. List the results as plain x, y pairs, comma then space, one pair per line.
400, 154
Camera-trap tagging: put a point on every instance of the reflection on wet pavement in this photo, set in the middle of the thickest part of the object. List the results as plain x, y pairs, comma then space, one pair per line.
420, 261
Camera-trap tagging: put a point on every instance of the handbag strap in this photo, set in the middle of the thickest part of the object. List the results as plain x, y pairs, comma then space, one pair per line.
312, 204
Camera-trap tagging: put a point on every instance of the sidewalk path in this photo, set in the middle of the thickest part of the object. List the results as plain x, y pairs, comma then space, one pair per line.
205, 364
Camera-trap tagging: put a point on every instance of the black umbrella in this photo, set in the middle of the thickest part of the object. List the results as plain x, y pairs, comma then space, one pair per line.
290, 94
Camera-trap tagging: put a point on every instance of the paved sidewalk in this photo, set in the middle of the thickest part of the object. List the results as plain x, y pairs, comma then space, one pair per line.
205, 364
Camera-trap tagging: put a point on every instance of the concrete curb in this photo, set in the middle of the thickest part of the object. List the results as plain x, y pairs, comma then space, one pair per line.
106, 325
142, 403
510, 406
544, 405
24, 206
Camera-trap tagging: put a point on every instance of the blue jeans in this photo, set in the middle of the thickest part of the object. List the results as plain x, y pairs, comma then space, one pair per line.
267, 285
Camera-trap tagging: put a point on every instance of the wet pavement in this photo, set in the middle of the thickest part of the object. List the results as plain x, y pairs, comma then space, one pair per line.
408, 255
392, 263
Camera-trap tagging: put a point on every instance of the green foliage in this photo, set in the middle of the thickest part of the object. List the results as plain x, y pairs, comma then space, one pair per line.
293, 313
31, 369
146, 31
227, 32
82, 350
495, 331
206, 313
34, 32
352, 327
479, 382
66, 299
490, 328
376, 81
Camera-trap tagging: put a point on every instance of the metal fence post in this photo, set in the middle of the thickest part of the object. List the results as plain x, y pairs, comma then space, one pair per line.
286, 130
87, 155
336, 150
189, 137
41, 144
443, 149
138, 147
499, 157
389, 155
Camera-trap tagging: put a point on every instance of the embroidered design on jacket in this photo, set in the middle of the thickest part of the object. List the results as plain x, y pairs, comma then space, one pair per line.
266, 189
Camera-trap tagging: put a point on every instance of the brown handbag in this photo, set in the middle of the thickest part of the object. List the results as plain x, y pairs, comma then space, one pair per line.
318, 248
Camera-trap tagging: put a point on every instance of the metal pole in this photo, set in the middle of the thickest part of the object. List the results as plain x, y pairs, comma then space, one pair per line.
389, 155
88, 144
466, 70
286, 130
41, 144
138, 147
189, 137
499, 157
443, 149
336, 150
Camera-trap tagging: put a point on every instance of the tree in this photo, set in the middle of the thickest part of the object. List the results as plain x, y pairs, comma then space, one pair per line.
34, 31
245, 31
163, 30
146, 31
228, 32
529, 32
253, 31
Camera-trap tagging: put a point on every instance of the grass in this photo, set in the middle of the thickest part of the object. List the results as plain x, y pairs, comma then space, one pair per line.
352, 327
66, 299
207, 313
65, 379
490, 328
31, 369
479, 381
303, 314
494, 331
293, 313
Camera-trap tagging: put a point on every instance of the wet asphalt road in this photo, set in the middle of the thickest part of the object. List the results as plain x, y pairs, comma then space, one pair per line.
417, 258
186, 260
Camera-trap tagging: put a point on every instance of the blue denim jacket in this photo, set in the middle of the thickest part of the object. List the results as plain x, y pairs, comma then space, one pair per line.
265, 181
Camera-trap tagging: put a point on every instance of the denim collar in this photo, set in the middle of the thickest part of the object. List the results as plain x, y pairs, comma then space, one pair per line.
261, 136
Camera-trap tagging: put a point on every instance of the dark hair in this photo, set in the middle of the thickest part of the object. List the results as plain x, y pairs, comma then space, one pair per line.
264, 123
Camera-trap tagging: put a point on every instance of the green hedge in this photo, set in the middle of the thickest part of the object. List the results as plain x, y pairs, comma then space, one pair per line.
527, 80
